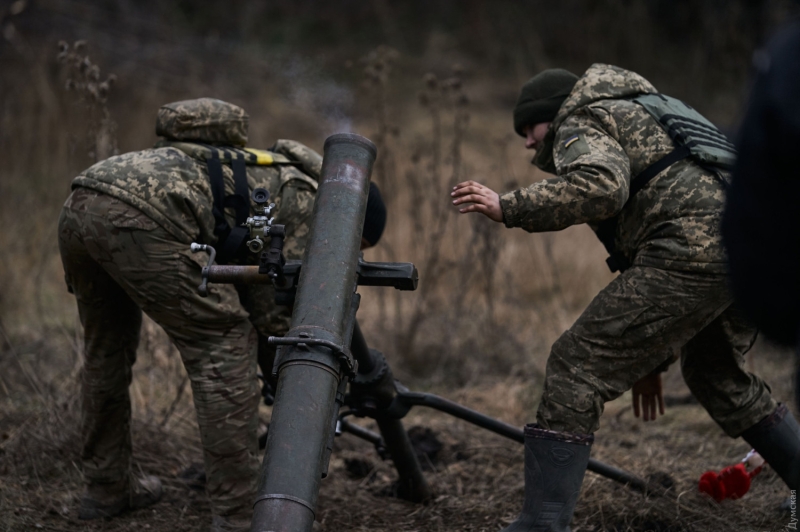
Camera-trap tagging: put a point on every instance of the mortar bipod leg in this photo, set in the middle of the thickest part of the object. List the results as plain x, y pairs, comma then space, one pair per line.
406, 399
374, 385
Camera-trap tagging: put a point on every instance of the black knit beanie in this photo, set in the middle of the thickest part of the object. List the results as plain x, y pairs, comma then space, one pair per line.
375, 219
541, 97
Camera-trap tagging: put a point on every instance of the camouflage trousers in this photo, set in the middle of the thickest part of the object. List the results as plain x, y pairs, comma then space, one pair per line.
118, 263
637, 323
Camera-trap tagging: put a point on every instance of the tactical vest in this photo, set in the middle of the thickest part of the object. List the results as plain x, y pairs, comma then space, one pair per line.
230, 240
694, 137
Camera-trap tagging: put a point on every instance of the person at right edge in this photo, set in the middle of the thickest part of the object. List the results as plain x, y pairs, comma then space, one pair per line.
761, 223
646, 172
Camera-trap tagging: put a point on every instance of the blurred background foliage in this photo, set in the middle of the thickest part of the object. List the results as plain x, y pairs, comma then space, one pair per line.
432, 82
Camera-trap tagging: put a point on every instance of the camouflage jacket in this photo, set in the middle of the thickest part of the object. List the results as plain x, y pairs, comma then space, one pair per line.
170, 182
597, 143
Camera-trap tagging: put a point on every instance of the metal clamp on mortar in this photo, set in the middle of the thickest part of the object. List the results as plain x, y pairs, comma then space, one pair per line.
305, 339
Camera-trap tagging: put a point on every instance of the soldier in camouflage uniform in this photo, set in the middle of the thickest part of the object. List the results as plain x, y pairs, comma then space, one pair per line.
672, 296
124, 237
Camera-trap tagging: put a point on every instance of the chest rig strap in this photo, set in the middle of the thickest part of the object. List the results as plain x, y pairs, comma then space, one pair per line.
694, 137
231, 239
607, 229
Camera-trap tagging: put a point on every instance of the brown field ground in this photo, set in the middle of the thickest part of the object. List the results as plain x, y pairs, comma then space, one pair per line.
432, 83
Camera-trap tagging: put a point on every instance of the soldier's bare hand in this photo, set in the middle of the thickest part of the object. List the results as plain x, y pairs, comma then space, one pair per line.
479, 198
649, 390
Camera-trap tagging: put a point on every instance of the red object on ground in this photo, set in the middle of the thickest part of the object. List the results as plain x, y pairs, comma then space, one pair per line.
731, 483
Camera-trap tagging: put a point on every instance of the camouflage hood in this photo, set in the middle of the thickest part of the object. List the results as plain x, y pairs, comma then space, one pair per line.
602, 82
599, 82
203, 120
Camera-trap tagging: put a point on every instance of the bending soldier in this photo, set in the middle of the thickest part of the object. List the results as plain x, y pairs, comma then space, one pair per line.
645, 172
124, 237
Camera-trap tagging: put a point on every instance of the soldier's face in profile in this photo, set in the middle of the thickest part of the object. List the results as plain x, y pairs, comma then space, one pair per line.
534, 135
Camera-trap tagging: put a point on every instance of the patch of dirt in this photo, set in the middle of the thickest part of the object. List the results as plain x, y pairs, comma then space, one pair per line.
477, 476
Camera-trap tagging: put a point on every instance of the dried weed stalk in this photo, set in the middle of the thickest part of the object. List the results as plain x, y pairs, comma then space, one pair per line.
378, 67
429, 182
454, 308
91, 93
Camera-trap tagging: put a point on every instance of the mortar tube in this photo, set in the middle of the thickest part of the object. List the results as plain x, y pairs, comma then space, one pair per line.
309, 374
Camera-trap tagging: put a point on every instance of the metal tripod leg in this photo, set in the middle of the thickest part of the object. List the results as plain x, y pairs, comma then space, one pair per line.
412, 484
375, 384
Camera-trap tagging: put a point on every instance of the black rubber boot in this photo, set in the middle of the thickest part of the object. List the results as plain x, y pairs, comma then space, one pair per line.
777, 440
555, 463
108, 500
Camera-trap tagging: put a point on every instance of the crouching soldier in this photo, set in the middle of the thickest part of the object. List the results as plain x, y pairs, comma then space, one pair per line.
124, 236
646, 172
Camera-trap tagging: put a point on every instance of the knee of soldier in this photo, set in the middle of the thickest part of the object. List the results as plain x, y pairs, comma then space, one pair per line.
222, 370
225, 409
570, 361
203, 349
215, 381
571, 350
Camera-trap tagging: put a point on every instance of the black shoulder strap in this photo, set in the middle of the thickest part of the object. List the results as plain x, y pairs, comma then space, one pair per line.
646, 175
232, 246
241, 193
214, 165
230, 240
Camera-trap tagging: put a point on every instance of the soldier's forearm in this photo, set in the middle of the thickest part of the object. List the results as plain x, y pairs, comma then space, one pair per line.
537, 211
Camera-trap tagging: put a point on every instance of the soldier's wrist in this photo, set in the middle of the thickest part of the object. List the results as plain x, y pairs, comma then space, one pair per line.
509, 207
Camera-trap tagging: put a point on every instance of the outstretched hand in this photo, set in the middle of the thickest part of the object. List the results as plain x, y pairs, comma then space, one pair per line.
482, 199
650, 391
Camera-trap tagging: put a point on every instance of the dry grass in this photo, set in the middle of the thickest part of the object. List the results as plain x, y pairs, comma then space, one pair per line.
479, 328
477, 476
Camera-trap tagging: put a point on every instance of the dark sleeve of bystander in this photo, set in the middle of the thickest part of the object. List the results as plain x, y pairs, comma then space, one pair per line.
761, 224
